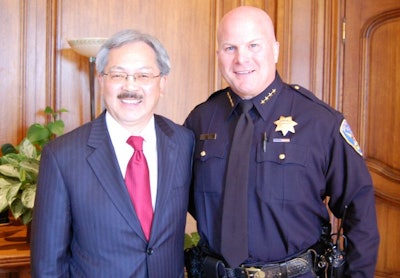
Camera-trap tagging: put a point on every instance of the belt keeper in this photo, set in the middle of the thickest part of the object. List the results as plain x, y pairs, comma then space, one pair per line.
254, 272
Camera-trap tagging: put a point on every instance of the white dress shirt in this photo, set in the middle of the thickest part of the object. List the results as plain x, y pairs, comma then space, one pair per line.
124, 151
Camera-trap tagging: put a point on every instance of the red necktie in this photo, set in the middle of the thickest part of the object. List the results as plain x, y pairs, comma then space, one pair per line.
138, 183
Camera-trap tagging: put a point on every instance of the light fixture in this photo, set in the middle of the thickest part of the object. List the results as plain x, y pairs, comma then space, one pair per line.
88, 47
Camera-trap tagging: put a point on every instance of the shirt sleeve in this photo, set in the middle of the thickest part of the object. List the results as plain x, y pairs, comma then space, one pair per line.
349, 184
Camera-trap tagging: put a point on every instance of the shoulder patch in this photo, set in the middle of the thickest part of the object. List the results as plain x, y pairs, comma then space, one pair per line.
347, 134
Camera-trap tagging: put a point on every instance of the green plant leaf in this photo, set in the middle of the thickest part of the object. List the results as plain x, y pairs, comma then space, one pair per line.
3, 182
28, 149
48, 110
17, 208
9, 171
22, 175
8, 148
12, 193
188, 241
191, 240
31, 166
26, 216
56, 127
3, 197
28, 196
37, 133
11, 158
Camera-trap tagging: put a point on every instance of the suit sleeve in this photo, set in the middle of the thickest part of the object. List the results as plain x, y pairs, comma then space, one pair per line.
51, 221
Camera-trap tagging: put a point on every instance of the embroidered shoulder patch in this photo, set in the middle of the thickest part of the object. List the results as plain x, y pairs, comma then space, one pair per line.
347, 134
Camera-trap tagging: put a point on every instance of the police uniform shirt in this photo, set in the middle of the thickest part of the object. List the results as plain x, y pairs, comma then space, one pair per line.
302, 151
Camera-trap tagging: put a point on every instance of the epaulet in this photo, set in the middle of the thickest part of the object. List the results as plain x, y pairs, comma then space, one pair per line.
344, 129
304, 92
217, 93
213, 95
308, 94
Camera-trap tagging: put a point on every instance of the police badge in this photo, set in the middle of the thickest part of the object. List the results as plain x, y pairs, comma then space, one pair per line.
285, 124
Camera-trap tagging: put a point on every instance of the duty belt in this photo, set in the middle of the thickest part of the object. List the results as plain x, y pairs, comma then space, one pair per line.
292, 268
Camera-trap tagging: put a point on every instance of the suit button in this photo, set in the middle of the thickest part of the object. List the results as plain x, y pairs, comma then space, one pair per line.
149, 251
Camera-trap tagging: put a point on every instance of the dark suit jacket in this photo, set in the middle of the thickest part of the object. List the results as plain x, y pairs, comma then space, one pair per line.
84, 224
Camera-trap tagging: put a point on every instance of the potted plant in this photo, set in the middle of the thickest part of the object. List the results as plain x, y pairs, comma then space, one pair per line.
19, 167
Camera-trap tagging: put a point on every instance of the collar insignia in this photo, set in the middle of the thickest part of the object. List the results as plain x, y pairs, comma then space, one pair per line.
267, 97
228, 94
285, 124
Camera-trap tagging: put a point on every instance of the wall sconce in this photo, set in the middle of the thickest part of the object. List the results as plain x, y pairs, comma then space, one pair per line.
88, 47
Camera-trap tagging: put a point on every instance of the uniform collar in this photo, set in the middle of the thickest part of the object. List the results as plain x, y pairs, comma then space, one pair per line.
262, 102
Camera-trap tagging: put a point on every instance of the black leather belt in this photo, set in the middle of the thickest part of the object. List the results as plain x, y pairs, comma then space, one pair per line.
292, 268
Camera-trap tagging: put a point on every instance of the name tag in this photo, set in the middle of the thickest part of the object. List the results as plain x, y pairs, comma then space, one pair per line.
208, 136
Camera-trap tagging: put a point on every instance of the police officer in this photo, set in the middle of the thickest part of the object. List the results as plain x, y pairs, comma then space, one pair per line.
302, 151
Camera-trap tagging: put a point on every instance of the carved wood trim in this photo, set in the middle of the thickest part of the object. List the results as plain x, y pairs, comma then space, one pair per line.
386, 177
22, 88
386, 181
51, 35
284, 37
37, 79
367, 31
333, 54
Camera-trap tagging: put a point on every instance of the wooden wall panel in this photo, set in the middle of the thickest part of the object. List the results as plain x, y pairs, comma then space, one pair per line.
11, 89
186, 28
370, 101
38, 68
24, 66
301, 33
380, 127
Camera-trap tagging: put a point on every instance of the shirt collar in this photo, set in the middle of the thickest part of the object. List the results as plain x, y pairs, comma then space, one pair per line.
262, 102
119, 134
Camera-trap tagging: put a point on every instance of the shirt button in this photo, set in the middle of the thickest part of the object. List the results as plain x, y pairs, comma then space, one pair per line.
282, 156
149, 251
203, 153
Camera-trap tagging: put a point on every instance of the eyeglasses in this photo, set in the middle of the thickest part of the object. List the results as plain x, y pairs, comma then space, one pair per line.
139, 77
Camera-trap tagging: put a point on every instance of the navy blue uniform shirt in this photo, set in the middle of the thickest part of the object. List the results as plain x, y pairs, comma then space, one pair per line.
308, 154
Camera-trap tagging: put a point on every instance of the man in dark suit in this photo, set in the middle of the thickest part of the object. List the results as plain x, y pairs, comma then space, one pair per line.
85, 223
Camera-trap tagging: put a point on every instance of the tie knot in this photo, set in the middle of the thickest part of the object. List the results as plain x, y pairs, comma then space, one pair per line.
136, 142
246, 105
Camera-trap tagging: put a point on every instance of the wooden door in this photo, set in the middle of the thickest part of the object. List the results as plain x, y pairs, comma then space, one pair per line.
371, 103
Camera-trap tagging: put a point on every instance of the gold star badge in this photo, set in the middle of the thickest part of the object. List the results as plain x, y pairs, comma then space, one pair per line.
285, 124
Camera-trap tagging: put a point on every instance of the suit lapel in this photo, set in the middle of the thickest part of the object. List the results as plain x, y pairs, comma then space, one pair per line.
167, 157
105, 166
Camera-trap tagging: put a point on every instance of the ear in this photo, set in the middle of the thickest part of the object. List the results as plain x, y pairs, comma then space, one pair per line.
100, 79
276, 51
163, 84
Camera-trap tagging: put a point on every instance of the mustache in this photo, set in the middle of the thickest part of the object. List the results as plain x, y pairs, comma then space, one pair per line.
130, 95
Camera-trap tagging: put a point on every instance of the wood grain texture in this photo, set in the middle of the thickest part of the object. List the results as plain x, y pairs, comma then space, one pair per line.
357, 75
